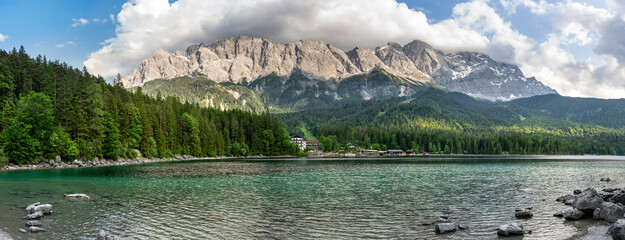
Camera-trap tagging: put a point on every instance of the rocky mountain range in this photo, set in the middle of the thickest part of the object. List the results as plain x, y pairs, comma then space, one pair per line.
245, 59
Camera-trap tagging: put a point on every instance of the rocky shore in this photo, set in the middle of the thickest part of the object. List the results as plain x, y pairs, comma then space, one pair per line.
58, 164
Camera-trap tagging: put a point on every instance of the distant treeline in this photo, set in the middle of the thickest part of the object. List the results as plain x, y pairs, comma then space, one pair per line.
50, 109
438, 121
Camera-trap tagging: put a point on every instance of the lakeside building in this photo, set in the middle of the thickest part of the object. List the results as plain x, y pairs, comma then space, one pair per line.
313, 143
299, 141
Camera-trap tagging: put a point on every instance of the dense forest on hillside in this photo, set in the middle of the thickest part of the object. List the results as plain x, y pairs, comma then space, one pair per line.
439, 121
49, 108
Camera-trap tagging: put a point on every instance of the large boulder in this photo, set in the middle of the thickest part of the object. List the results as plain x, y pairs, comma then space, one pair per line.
617, 230
611, 212
77, 197
572, 214
509, 229
44, 208
588, 200
444, 227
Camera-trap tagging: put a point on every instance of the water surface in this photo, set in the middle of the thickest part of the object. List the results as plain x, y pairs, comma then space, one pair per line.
305, 199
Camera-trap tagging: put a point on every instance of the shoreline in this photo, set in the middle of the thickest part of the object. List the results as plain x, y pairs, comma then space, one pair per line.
52, 164
120, 162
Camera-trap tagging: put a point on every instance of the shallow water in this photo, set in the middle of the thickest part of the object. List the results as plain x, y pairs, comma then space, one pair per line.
305, 199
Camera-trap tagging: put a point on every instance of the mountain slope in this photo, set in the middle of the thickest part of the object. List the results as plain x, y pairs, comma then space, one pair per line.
244, 59
285, 94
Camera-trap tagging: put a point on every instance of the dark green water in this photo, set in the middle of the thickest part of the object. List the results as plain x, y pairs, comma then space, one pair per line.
305, 199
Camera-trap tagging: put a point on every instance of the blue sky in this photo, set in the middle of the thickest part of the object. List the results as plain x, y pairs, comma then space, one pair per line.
564, 43
42, 25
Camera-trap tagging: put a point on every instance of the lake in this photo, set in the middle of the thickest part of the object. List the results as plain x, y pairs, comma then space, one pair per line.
382, 198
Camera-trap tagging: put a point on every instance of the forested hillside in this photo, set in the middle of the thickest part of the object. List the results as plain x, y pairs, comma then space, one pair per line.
449, 122
49, 108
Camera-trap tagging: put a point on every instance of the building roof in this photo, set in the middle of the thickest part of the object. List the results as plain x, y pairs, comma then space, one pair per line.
312, 141
395, 150
297, 136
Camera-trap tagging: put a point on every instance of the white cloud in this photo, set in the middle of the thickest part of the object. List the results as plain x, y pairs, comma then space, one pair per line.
96, 20
145, 26
112, 17
3, 37
62, 45
78, 22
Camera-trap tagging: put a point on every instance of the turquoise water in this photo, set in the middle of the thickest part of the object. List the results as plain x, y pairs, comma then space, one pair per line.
305, 199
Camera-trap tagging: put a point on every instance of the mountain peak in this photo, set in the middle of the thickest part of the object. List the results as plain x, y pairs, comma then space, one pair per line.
249, 58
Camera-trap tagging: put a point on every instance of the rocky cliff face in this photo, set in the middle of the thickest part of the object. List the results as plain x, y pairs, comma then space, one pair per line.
243, 58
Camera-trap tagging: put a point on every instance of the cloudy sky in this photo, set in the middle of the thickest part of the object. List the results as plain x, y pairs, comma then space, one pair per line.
575, 46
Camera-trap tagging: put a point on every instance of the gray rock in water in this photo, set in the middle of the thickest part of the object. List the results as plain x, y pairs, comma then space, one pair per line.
22, 230
35, 215
611, 189
577, 191
572, 214
442, 220
618, 198
569, 202
605, 179
611, 212
523, 214
77, 197
462, 227
444, 227
589, 200
43, 208
596, 214
31, 206
509, 229
33, 223
565, 198
617, 230
36, 229
103, 235
558, 214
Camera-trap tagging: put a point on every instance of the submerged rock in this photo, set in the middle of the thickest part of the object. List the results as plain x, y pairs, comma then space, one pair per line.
33, 223
558, 214
611, 189
565, 198
22, 230
523, 214
445, 227
77, 197
617, 230
605, 179
103, 235
577, 191
36, 229
509, 229
572, 214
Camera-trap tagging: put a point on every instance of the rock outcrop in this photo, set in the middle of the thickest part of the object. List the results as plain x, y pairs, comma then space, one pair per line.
247, 59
